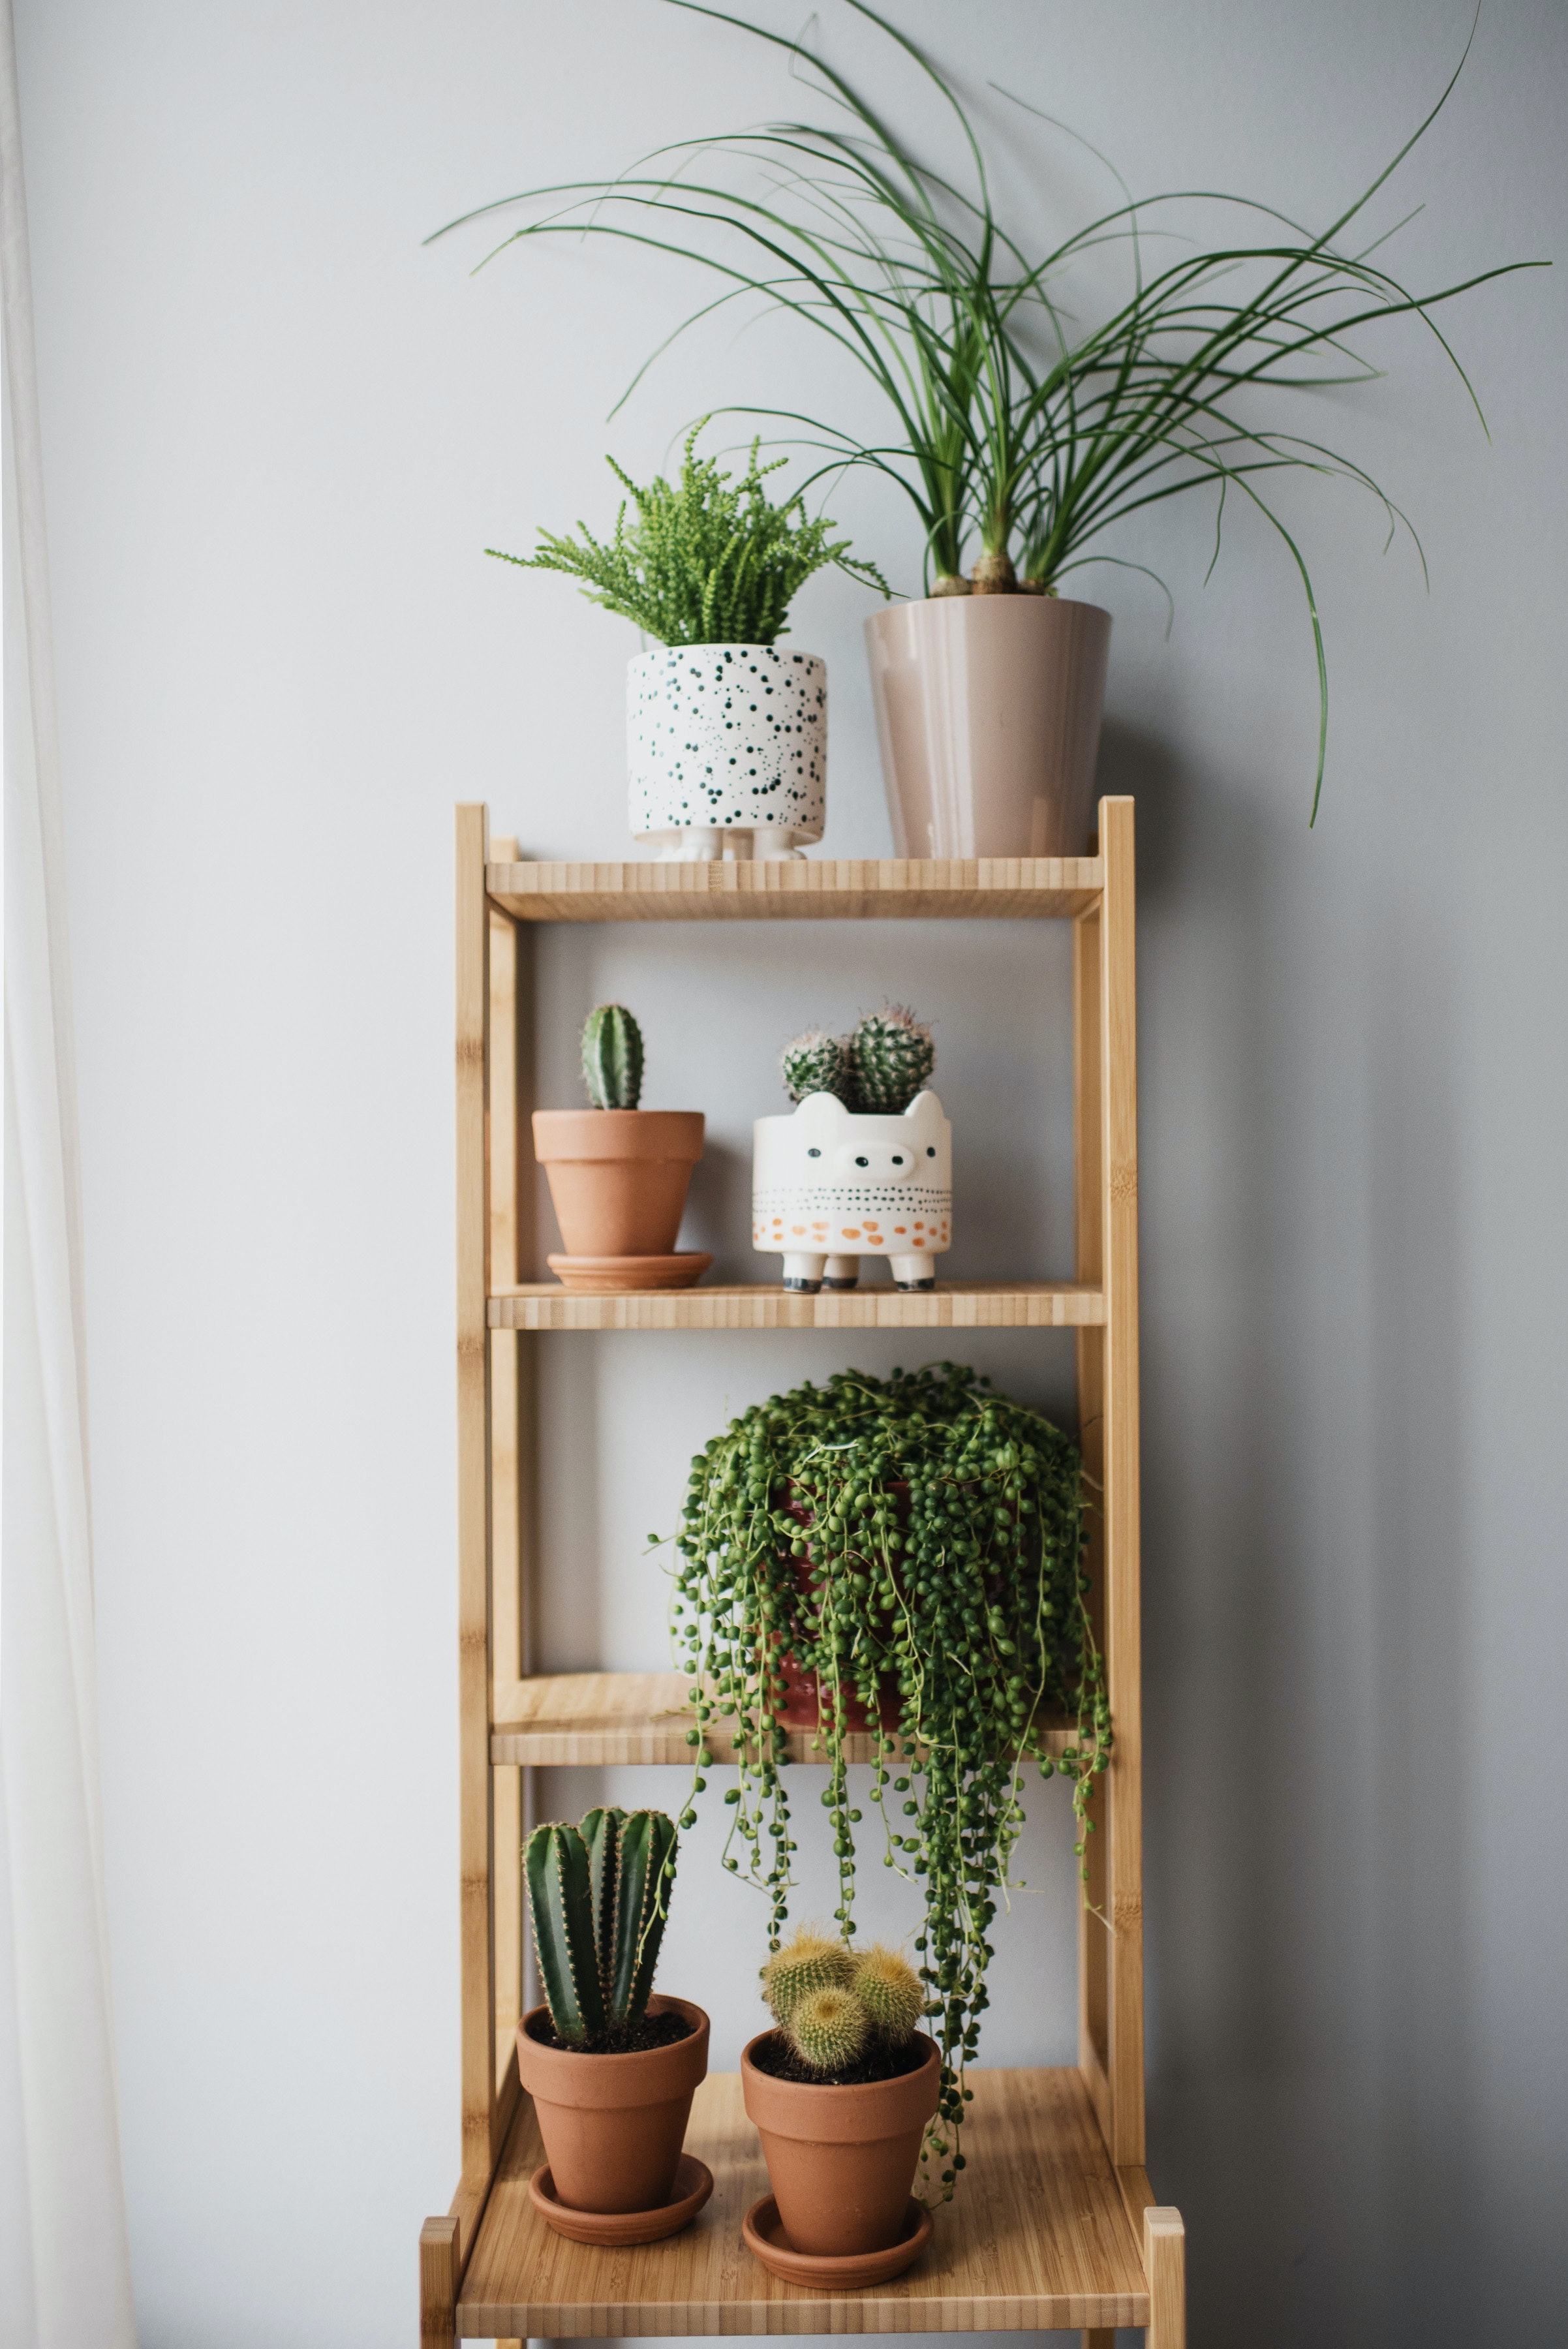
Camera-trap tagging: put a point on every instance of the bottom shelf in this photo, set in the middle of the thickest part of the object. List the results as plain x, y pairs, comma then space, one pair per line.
1038, 2237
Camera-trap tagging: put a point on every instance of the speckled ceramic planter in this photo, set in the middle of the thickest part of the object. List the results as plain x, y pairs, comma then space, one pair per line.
830, 1189
727, 749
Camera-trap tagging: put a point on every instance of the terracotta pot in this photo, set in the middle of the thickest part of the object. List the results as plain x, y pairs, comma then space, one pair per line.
619, 1177
612, 2125
987, 714
841, 2161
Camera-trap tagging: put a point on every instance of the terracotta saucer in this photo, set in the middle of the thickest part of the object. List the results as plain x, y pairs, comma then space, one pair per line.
596, 1276
762, 2231
693, 2184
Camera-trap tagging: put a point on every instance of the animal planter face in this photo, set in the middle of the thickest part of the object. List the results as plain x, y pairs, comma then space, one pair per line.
829, 1189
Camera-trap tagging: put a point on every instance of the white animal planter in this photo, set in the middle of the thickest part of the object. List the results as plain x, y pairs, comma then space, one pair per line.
830, 1189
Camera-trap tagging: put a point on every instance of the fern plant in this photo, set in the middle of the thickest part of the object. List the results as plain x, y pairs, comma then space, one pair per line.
704, 561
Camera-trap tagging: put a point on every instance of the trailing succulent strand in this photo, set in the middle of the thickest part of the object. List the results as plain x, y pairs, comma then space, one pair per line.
877, 1071
612, 1056
919, 1538
702, 562
598, 1894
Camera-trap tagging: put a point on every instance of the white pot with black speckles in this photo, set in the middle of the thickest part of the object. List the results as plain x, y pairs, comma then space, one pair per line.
727, 749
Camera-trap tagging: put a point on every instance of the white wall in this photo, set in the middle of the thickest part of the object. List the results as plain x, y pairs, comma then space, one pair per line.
278, 434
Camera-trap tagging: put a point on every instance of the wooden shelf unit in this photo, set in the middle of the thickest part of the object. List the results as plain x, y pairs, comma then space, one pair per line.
1055, 2224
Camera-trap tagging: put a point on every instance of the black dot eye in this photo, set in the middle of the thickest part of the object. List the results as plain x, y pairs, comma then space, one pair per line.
898, 1162
930, 1152
863, 1162
814, 1154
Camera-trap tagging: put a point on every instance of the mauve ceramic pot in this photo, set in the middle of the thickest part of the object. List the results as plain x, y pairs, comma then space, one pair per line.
619, 1177
612, 2125
987, 714
841, 2161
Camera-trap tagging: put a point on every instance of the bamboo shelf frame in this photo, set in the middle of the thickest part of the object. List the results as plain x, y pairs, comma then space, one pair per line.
1057, 2225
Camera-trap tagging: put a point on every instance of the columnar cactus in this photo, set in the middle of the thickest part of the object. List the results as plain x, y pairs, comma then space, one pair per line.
809, 1962
816, 1063
891, 1058
612, 1056
598, 1894
828, 2029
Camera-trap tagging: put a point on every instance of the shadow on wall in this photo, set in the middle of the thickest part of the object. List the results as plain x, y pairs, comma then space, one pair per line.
1310, 2032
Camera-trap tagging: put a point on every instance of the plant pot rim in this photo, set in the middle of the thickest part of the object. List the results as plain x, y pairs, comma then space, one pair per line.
727, 644
973, 602
825, 2114
597, 1134
572, 2076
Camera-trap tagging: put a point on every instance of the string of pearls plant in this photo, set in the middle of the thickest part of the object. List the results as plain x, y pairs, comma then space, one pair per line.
917, 1544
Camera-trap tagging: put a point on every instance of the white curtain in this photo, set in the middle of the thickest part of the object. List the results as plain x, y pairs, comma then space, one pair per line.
65, 2273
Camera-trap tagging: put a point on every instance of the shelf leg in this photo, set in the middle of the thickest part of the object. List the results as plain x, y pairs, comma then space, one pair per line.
1095, 2337
1165, 2265
438, 2282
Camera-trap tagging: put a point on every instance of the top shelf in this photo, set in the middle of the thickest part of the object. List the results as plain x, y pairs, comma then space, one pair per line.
802, 889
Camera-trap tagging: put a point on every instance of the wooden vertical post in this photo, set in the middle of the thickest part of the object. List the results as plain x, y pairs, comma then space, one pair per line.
474, 1529
1094, 1940
1122, 1807
1165, 2265
505, 1439
438, 2282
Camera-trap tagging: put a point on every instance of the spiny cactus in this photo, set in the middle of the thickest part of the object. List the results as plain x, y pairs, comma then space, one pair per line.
598, 1894
612, 1056
891, 1058
828, 2029
816, 1063
809, 1962
889, 1991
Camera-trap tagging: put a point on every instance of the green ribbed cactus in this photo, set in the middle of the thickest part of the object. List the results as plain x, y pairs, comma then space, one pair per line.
891, 1058
816, 1063
598, 1894
808, 1963
890, 1990
612, 1056
828, 2029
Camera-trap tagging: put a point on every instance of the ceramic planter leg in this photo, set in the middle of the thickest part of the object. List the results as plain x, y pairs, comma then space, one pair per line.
842, 1272
912, 1272
803, 1273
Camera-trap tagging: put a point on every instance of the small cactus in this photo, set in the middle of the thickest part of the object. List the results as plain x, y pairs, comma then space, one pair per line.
816, 1063
810, 1962
889, 1991
599, 1896
891, 1058
828, 2029
612, 1056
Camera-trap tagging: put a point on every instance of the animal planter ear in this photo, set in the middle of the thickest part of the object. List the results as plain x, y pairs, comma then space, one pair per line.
830, 1189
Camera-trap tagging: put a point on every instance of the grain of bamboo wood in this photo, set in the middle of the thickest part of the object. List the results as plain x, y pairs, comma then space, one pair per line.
953, 1305
810, 890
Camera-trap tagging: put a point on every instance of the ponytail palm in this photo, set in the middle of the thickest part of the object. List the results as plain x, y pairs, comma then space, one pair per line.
1015, 427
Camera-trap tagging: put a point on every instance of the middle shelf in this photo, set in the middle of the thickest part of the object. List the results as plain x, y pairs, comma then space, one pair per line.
562, 1719
951, 1305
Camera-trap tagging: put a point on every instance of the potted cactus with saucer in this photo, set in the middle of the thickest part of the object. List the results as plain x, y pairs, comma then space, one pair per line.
864, 1167
842, 2091
611, 2069
618, 1174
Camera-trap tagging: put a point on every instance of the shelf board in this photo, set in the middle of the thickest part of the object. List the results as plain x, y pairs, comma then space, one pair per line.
1038, 2238
803, 889
951, 1305
563, 1720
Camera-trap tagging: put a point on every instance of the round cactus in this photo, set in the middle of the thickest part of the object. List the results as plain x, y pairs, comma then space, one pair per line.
891, 1058
891, 1993
815, 1063
612, 1056
827, 2030
808, 1963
